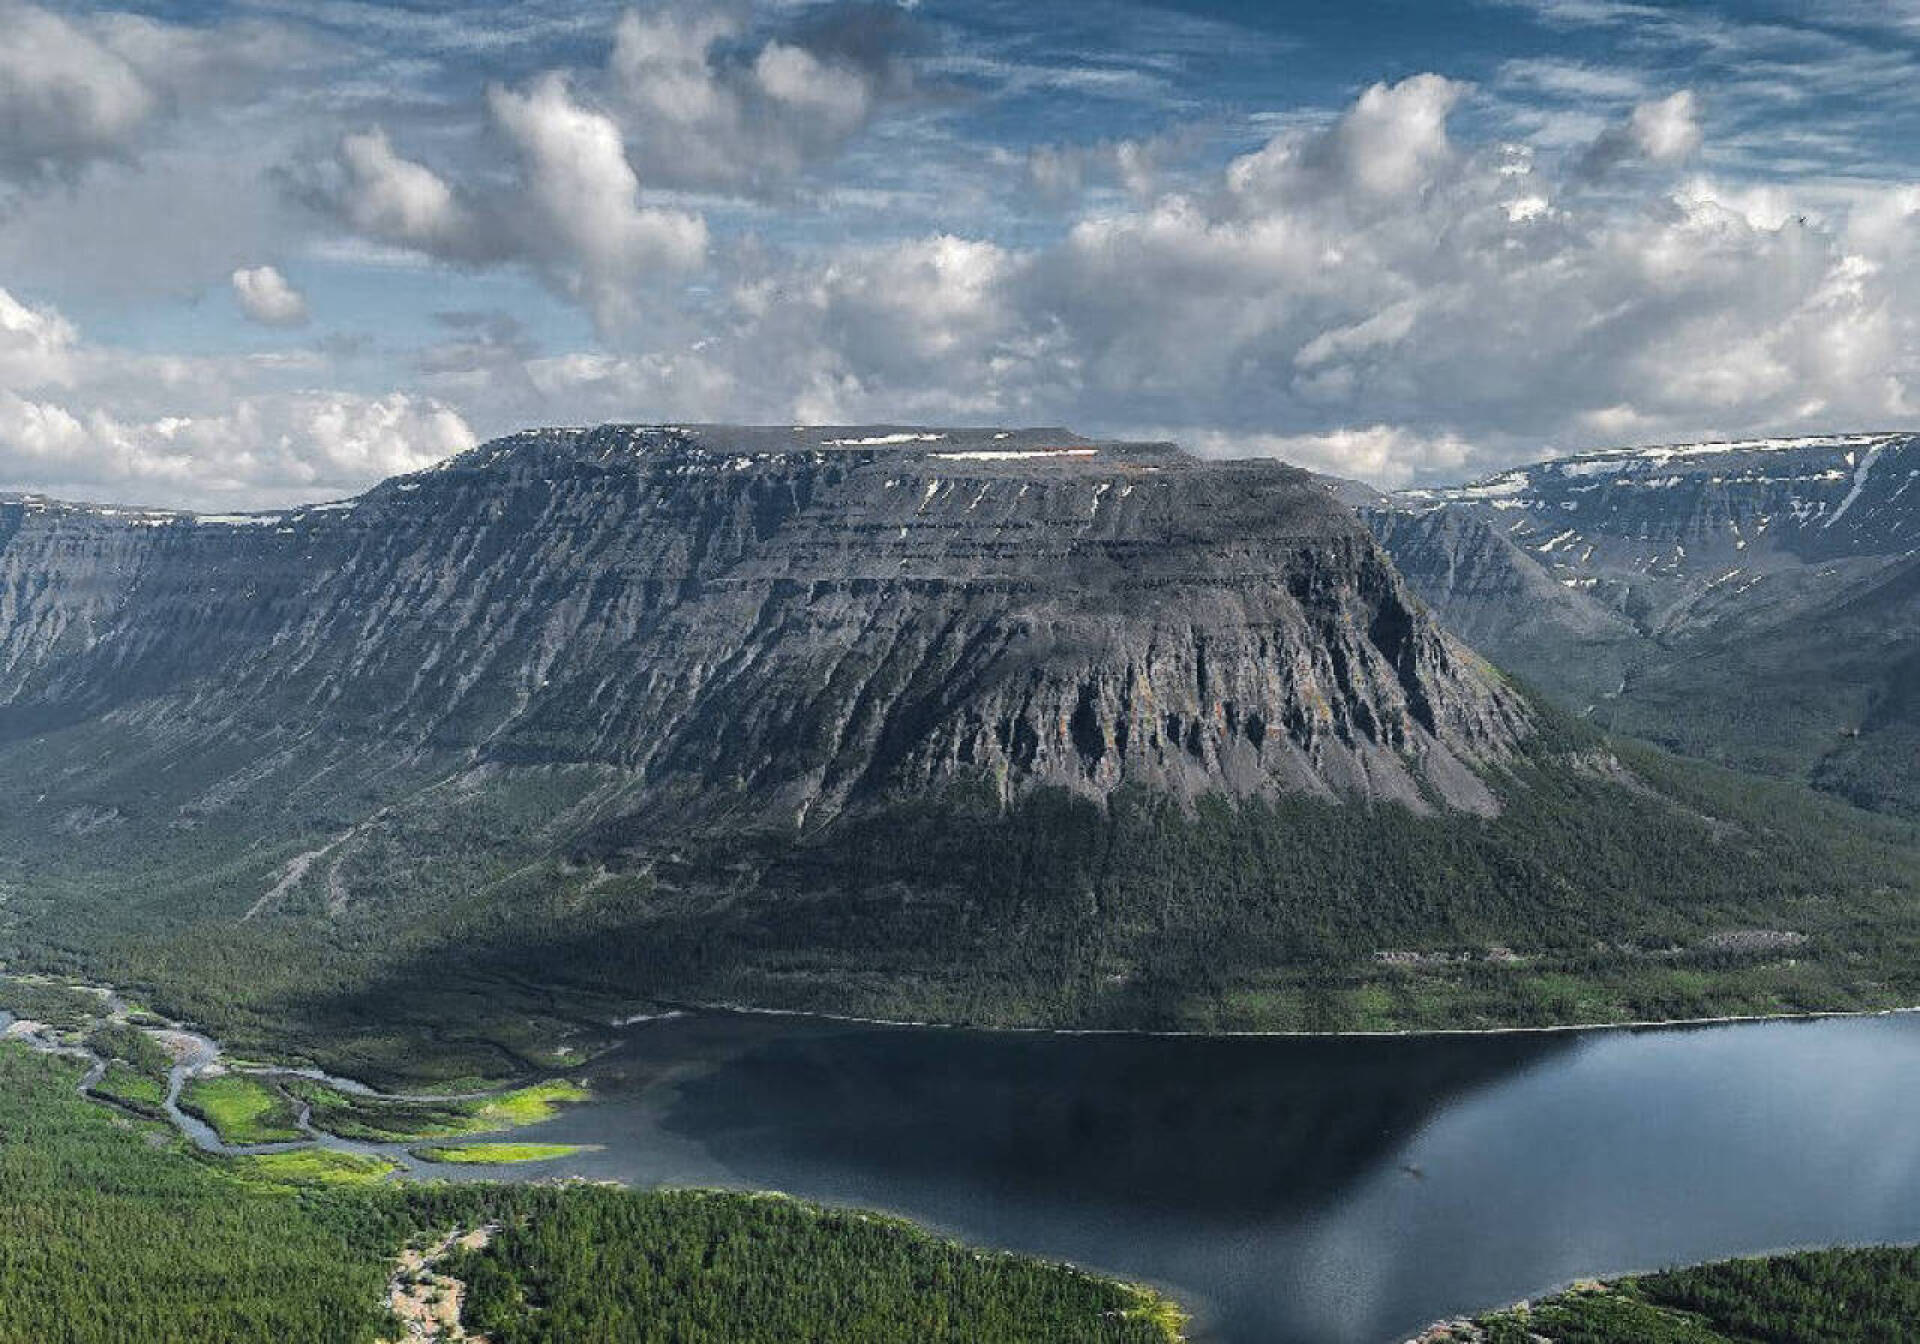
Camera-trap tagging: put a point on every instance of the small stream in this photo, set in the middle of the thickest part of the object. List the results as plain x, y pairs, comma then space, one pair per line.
196, 1055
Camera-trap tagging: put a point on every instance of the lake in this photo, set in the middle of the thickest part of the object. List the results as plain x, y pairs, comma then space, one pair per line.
1294, 1189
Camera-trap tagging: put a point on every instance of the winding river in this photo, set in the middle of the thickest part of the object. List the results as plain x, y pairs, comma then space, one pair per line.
1288, 1190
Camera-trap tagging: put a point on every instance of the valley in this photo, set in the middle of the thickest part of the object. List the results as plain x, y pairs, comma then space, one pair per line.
526, 769
1236, 1174
990, 726
878, 672
1751, 603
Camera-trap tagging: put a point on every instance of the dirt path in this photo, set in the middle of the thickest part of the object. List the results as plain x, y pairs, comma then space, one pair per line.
427, 1301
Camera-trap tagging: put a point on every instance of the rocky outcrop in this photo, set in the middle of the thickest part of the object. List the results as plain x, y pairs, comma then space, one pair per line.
778, 621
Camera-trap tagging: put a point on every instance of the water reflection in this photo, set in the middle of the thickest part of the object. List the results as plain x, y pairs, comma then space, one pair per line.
1231, 1128
1296, 1191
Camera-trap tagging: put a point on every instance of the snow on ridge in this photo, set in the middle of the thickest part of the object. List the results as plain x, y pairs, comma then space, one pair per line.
881, 440
1641, 462
1497, 487
1013, 454
1596, 463
1776, 444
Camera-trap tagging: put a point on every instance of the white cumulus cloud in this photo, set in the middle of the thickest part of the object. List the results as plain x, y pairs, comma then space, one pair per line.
1369, 297
80, 87
695, 117
395, 200
593, 234
1667, 129
1659, 131
266, 297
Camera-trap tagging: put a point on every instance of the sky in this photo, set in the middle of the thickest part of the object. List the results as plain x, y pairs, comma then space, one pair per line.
259, 253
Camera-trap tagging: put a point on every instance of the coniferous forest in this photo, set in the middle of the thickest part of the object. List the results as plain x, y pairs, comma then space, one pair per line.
1866, 1296
113, 1231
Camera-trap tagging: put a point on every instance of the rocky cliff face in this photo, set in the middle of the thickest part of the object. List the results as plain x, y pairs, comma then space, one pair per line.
1502, 598
775, 621
1749, 601
1655, 534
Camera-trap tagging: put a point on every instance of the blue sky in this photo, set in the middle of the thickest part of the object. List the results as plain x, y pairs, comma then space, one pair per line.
254, 253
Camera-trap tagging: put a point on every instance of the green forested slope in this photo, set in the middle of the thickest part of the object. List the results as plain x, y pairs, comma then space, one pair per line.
697, 1268
1616, 884
110, 1234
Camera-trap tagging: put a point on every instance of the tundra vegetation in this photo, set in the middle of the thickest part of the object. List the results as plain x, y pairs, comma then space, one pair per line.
241, 1109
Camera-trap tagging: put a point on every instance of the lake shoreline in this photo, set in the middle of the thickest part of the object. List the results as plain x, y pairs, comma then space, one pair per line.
680, 1006
1466, 1328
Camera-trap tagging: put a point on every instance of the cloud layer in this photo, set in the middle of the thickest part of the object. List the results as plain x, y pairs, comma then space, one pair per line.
92, 422
844, 212
1368, 296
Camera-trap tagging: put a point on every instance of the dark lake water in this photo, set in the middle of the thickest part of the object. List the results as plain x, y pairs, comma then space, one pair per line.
1323, 1190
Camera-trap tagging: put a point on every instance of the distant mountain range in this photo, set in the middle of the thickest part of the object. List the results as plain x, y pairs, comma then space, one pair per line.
1755, 603
992, 725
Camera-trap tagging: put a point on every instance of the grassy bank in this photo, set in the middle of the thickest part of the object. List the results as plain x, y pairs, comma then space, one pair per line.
382, 1119
488, 1154
241, 1109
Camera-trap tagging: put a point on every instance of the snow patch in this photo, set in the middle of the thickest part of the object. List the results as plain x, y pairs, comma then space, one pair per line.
1013, 454
881, 440
1500, 487
1859, 483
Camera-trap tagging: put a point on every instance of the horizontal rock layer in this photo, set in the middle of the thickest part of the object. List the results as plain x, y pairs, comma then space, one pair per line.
776, 621
1754, 602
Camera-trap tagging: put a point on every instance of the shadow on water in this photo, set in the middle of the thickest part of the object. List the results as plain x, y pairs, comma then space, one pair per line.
1291, 1190
1192, 1162
1295, 1190
1231, 1130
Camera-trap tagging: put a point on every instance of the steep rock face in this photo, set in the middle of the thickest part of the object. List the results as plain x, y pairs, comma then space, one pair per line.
1747, 601
1655, 532
775, 621
1499, 597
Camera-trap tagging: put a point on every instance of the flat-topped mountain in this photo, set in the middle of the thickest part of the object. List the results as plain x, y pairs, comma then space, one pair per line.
1645, 528
1752, 601
778, 620
975, 724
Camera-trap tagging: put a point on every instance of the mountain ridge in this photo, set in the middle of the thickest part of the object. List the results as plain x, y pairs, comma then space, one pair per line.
1737, 600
